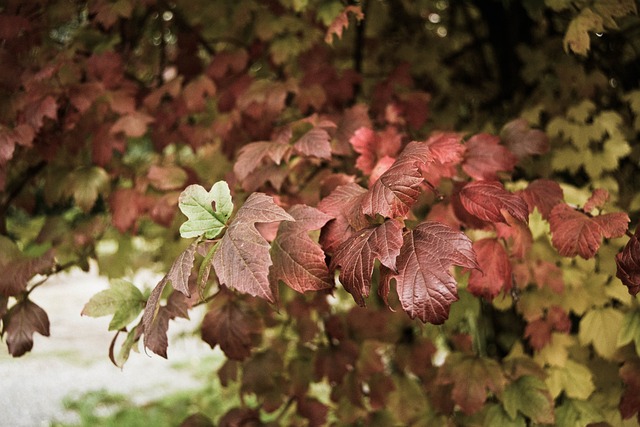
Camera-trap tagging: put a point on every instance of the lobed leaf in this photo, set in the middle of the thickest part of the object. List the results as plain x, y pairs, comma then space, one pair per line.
485, 157
343, 204
242, 261
543, 194
122, 299
20, 323
423, 281
18, 268
487, 199
628, 264
207, 211
494, 273
529, 396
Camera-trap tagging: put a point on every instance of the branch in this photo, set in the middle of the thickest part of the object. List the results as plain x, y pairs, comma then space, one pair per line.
15, 189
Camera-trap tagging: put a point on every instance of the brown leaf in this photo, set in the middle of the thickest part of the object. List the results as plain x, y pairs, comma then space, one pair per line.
628, 264
20, 323
17, 268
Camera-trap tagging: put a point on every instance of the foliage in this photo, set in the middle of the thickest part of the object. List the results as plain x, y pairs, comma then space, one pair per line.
469, 164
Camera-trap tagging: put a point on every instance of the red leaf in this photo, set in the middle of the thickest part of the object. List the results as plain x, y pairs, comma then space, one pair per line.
485, 157
487, 199
628, 263
133, 124
630, 400
373, 146
543, 194
20, 323
314, 143
343, 204
12, 26
548, 274
197, 91
242, 261
181, 269
597, 200
494, 273
522, 140
17, 268
107, 68
297, 260
575, 233
232, 326
126, 206
357, 256
251, 156
313, 410
393, 194
38, 110
342, 21
424, 283
352, 119
538, 332
517, 234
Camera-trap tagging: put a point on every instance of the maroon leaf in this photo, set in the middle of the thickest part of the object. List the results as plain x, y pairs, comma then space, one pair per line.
239, 417
352, 119
575, 233
313, 410
597, 200
155, 322
522, 140
494, 273
517, 235
181, 269
373, 146
242, 261
343, 204
544, 195
252, 155
297, 260
17, 268
630, 400
424, 283
628, 263
314, 143
357, 256
232, 326
485, 157
393, 194
20, 323
487, 199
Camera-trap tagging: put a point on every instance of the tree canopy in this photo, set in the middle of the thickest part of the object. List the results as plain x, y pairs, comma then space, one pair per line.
396, 212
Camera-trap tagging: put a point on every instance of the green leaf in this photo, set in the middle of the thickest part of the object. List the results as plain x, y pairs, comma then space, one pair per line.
123, 300
572, 378
530, 396
577, 413
577, 35
207, 212
498, 417
630, 330
85, 184
600, 327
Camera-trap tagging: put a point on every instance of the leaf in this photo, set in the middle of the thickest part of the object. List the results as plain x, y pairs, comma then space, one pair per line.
86, 184
297, 260
574, 233
126, 205
597, 200
574, 379
523, 141
155, 321
628, 264
487, 199
18, 268
423, 281
122, 299
181, 268
610, 9
207, 212
529, 396
341, 22
630, 330
497, 417
314, 143
343, 204
251, 156
393, 194
133, 124
576, 38
232, 326
313, 410
20, 323
242, 261
600, 327
472, 377
485, 157
167, 177
543, 194
494, 269
356, 256
447, 151
577, 413
373, 146
630, 401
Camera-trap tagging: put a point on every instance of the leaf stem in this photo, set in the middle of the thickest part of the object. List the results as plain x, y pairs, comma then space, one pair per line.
284, 410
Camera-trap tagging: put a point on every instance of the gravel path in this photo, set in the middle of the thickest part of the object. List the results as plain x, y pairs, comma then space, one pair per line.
74, 359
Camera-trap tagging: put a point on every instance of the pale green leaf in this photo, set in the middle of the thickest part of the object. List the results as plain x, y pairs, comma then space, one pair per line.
630, 330
577, 413
207, 212
528, 395
122, 299
130, 343
572, 378
85, 184
600, 327
497, 417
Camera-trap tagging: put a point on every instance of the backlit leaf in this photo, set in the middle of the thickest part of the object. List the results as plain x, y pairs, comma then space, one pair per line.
297, 260
242, 261
494, 269
487, 199
20, 323
485, 157
529, 396
423, 280
356, 256
122, 299
207, 211
232, 326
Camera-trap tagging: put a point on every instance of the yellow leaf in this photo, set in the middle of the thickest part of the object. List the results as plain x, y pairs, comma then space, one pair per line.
576, 38
556, 353
573, 378
600, 327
